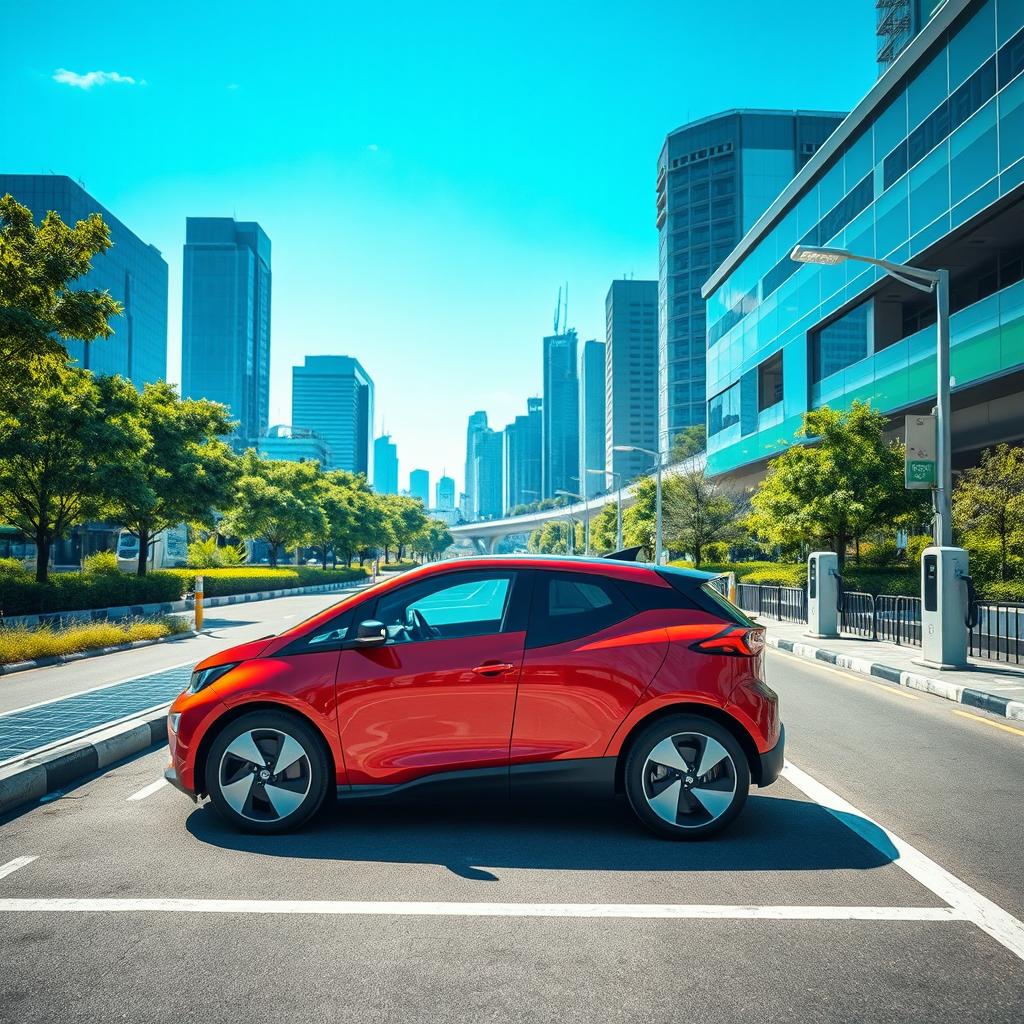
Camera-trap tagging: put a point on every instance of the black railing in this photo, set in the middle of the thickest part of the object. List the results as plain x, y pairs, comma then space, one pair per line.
997, 631
898, 619
789, 604
857, 614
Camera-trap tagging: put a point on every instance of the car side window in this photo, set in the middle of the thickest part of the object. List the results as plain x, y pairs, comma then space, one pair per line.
568, 606
459, 605
328, 637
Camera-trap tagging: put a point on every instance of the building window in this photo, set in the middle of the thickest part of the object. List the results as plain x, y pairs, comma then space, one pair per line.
839, 344
769, 382
724, 410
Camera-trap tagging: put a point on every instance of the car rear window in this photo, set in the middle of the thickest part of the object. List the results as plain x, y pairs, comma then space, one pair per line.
725, 605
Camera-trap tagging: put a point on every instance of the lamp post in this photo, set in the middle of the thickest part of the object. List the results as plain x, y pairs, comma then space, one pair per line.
936, 281
586, 521
657, 499
618, 502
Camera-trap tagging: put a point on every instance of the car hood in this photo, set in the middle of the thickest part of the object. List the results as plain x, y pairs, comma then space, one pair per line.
240, 652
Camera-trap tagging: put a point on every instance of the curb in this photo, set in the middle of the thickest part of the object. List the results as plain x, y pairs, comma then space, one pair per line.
40, 774
1013, 709
95, 652
171, 607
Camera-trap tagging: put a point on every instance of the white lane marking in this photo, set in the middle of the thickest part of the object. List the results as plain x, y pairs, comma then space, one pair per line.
971, 905
153, 787
12, 865
433, 909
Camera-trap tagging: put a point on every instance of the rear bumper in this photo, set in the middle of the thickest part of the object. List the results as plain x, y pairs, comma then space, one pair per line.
771, 761
172, 777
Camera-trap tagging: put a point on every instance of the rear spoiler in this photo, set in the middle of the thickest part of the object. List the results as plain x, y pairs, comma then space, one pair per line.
626, 554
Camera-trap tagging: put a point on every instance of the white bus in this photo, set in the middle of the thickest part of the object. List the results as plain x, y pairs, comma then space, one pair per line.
167, 550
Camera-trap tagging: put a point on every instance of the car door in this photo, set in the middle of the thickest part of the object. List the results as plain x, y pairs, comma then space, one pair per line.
439, 696
590, 654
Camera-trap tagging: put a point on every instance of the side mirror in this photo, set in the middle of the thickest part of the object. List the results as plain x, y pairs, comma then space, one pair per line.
370, 633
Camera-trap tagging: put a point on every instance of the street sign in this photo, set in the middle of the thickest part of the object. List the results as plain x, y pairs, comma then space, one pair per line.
919, 466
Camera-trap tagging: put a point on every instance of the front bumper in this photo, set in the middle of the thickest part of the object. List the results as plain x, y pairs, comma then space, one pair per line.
771, 761
172, 777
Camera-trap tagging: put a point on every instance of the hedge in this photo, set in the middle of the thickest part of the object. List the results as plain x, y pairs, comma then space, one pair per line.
65, 592
869, 579
23, 643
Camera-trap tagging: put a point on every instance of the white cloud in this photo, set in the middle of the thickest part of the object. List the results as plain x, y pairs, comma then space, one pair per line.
232, 86
91, 78
373, 147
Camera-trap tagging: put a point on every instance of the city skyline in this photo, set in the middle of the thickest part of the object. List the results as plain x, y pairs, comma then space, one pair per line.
336, 165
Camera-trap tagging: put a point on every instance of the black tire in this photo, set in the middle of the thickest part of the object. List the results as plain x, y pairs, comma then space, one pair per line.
271, 803
654, 785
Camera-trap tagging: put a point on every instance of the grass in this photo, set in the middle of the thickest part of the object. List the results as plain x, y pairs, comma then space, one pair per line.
26, 643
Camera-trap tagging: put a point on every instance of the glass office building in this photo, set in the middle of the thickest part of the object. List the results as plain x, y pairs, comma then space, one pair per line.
131, 270
333, 397
560, 416
631, 377
523, 457
928, 169
293, 444
444, 494
419, 486
592, 415
225, 324
716, 176
385, 465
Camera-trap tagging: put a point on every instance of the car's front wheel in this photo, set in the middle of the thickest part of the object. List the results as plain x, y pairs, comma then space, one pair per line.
686, 777
267, 771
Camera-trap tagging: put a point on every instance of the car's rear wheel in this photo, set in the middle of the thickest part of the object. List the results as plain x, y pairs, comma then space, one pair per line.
686, 777
267, 772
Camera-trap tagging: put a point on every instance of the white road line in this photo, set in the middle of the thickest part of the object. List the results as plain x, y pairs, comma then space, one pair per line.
674, 911
12, 865
153, 787
970, 904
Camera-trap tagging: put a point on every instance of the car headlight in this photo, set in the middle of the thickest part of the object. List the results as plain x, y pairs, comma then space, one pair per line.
203, 677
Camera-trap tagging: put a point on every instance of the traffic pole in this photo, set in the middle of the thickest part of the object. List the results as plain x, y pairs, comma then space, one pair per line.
199, 603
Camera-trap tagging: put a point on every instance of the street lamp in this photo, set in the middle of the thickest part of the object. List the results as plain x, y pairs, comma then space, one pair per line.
618, 502
586, 521
936, 281
657, 500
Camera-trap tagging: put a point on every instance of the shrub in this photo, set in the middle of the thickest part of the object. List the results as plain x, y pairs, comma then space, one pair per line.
24, 643
400, 566
916, 545
13, 567
244, 580
781, 575
206, 554
100, 563
1011, 590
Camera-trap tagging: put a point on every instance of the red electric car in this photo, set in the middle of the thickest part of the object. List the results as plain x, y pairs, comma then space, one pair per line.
499, 672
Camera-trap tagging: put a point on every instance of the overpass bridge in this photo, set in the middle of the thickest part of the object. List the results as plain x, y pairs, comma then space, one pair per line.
486, 534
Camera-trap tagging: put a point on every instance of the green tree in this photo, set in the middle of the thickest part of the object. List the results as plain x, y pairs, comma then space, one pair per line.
603, 529
846, 481
65, 437
38, 265
699, 511
406, 519
988, 501
185, 473
277, 502
688, 442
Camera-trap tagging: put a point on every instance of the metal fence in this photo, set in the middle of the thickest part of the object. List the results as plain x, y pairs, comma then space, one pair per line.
789, 604
898, 619
997, 631
857, 614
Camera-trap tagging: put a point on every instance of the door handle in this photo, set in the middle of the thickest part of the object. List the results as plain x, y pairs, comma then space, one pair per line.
493, 668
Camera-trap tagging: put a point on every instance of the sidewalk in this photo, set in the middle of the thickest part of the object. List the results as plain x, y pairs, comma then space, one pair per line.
993, 686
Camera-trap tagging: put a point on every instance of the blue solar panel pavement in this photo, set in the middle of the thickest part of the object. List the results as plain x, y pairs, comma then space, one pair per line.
22, 731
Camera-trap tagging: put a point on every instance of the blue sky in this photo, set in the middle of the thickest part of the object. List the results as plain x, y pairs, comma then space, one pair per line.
429, 174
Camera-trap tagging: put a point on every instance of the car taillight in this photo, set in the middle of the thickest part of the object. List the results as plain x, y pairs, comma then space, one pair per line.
735, 640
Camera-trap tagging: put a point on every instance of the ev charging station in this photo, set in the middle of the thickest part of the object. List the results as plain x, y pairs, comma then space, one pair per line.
823, 594
946, 594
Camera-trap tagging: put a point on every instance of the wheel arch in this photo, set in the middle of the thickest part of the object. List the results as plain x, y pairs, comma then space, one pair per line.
709, 711
238, 711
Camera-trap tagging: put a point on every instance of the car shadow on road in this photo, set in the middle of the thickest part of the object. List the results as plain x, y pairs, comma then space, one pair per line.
772, 834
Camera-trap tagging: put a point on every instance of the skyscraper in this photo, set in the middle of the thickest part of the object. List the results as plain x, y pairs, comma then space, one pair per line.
488, 473
293, 445
476, 424
592, 416
560, 419
898, 21
445, 494
523, 457
419, 486
385, 465
333, 397
715, 178
225, 324
131, 270
631, 376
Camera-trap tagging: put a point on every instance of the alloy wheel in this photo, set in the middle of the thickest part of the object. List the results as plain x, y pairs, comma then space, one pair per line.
264, 775
689, 780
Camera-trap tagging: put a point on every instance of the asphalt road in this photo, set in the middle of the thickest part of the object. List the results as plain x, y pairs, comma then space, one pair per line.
707, 943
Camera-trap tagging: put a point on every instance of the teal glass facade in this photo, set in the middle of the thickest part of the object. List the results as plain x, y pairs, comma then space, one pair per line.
929, 169
131, 270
